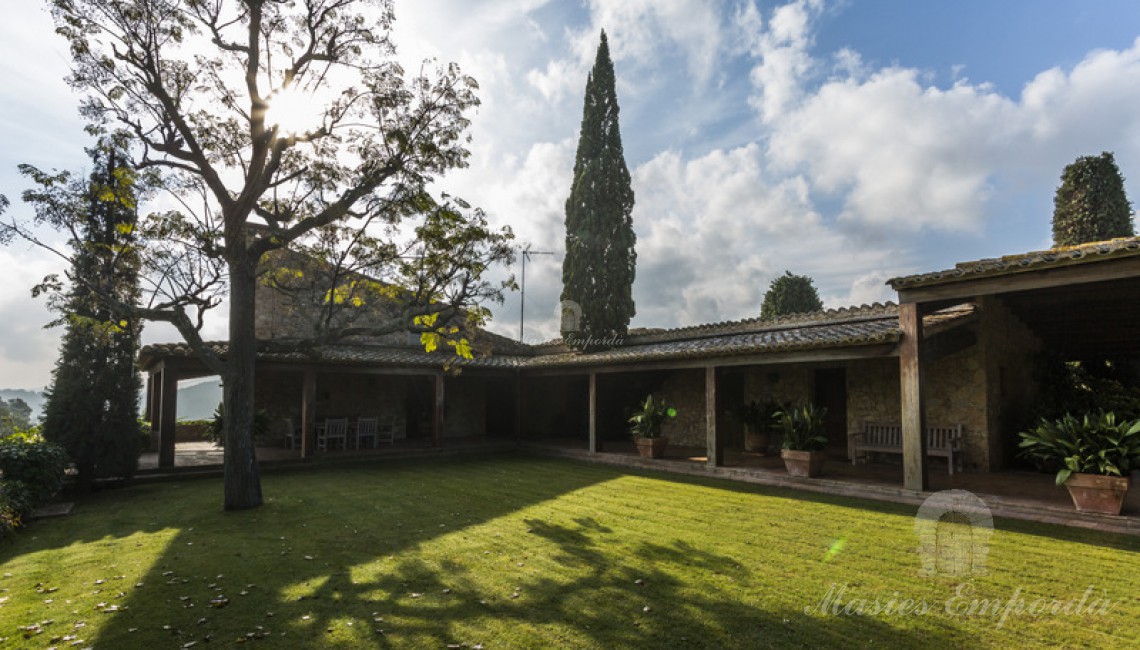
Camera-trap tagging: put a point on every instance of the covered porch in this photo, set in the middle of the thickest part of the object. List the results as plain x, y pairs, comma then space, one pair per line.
423, 399
1077, 303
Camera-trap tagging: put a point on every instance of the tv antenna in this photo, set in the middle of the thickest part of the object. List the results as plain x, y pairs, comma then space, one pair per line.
526, 253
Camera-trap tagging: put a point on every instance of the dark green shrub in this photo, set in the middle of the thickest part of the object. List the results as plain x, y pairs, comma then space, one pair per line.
802, 427
1092, 444
216, 431
646, 421
35, 462
14, 504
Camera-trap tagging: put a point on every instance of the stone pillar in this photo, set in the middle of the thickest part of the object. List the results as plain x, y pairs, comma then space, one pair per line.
913, 408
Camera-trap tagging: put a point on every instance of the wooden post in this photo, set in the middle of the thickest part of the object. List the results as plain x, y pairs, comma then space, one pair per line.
593, 412
712, 440
518, 408
168, 418
148, 405
437, 419
915, 476
308, 413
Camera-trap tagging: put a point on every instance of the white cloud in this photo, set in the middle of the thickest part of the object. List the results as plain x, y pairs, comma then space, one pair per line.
714, 231
900, 154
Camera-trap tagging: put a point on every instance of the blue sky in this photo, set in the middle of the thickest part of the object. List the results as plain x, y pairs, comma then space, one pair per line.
851, 140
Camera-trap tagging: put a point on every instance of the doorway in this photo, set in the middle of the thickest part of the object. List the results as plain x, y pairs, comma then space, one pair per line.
831, 393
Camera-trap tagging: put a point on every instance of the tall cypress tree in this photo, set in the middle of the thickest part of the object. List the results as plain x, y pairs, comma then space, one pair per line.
1090, 205
92, 405
600, 262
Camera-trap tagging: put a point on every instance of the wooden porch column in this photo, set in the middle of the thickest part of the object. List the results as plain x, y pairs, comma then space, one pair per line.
167, 415
148, 405
437, 417
714, 442
593, 412
915, 476
518, 408
308, 413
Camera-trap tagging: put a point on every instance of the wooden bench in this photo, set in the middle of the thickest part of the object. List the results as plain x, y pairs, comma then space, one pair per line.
944, 441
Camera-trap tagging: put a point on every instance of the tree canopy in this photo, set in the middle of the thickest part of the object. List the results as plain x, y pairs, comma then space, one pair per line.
284, 125
1090, 204
600, 263
790, 294
15, 416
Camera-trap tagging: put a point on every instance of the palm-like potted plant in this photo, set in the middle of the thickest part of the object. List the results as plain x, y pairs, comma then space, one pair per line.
1093, 456
645, 427
804, 442
757, 418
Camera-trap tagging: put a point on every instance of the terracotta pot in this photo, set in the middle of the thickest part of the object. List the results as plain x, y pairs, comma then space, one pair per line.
1096, 493
651, 447
803, 463
756, 441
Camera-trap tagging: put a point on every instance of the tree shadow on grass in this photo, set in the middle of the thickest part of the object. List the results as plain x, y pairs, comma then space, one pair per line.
424, 554
410, 555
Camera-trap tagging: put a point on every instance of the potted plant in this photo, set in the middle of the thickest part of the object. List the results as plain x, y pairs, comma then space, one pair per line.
645, 427
804, 442
1093, 455
757, 418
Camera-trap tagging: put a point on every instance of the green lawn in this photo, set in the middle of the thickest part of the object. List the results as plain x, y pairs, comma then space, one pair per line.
523, 552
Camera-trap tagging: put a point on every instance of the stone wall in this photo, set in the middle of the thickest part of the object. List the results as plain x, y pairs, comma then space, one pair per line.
956, 394
347, 395
684, 390
873, 392
1009, 348
780, 382
464, 407
555, 407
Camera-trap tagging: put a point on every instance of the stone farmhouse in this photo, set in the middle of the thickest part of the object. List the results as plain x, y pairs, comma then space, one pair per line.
958, 348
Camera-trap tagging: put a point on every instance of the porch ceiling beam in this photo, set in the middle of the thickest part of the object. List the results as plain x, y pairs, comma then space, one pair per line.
762, 359
277, 366
947, 343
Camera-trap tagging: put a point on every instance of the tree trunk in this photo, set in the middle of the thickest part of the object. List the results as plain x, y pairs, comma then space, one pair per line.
242, 477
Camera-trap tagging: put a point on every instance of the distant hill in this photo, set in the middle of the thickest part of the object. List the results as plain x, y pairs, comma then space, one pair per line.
195, 402
198, 402
34, 399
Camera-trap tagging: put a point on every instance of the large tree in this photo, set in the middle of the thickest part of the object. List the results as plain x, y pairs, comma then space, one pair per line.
92, 405
600, 262
790, 294
276, 125
1090, 204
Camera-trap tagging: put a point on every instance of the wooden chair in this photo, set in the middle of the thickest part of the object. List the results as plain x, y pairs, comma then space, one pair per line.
292, 434
334, 429
366, 428
386, 432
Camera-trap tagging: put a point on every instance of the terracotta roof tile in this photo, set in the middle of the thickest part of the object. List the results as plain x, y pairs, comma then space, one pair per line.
1032, 261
